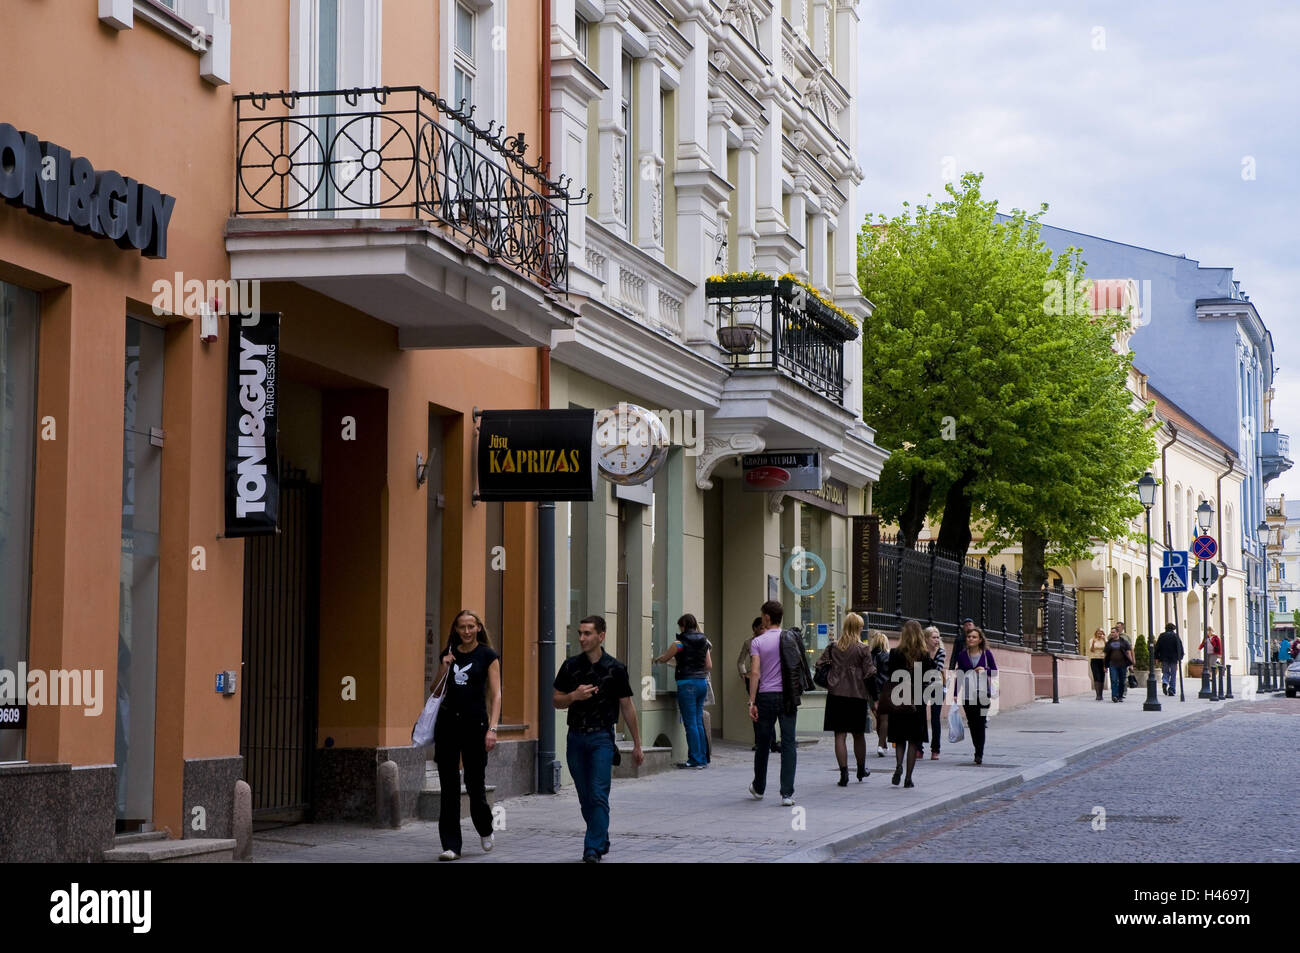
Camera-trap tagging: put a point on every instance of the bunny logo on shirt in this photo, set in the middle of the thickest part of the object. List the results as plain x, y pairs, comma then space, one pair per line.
462, 674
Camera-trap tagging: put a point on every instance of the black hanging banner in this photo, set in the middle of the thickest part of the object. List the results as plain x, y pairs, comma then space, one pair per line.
537, 455
252, 461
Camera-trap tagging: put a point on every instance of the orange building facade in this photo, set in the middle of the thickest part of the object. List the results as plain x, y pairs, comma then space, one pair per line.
407, 299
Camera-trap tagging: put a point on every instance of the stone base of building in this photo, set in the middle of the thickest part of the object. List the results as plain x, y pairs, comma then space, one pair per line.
209, 783
57, 813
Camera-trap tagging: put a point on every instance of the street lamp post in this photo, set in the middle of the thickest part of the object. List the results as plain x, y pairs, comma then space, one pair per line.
1147, 495
1262, 535
1204, 520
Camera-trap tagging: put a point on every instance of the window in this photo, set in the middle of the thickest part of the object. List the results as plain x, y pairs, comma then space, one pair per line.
1281, 604
580, 31
19, 309
625, 117
463, 70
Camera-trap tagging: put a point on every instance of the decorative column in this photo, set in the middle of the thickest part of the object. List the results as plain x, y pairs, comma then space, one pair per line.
573, 88
610, 189
798, 226
816, 241
746, 189
648, 116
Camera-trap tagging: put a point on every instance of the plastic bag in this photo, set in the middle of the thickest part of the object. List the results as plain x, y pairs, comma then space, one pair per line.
422, 733
956, 727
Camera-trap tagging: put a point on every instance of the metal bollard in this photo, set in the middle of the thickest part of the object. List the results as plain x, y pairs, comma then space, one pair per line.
1205, 681
1265, 677
1220, 695
1229, 681
1056, 690
1214, 684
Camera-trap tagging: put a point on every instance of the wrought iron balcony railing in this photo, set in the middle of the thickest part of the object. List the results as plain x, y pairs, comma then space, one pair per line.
767, 323
373, 152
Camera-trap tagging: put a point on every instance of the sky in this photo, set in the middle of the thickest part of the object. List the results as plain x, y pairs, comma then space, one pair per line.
1172, 126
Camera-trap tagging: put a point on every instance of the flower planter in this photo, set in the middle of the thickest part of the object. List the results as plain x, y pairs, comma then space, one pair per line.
813, 306
737, 289
1195, 668
738, 338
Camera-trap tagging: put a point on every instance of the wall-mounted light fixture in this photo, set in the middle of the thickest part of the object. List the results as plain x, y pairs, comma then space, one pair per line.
421, 469
208, 321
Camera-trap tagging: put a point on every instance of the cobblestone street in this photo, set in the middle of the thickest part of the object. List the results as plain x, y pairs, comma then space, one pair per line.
1204, 791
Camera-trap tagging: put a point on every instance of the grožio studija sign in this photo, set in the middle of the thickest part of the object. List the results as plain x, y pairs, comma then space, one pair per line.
252, 461
49, 181
535, 455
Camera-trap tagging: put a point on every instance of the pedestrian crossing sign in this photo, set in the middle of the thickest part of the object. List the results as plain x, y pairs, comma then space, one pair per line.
1173, 579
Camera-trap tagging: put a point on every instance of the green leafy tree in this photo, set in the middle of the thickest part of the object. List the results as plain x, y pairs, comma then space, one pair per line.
998, 401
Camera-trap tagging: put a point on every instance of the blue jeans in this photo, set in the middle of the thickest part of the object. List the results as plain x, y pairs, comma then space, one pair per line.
1118, 680
769, 713
1169, 675
591, 762
691, 693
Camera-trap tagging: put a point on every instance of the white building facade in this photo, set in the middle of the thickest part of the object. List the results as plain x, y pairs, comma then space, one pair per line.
712, 139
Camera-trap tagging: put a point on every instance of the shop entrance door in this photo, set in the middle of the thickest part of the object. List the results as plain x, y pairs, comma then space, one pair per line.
277, 733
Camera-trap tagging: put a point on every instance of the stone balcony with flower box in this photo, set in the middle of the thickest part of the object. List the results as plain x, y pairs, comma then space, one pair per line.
783, 325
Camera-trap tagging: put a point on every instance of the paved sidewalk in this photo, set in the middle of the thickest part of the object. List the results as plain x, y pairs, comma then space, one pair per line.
704, 816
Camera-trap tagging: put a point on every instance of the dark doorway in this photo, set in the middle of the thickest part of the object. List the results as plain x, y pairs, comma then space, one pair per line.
277, 737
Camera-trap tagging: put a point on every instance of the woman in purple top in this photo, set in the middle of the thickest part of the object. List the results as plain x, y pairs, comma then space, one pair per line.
975, 686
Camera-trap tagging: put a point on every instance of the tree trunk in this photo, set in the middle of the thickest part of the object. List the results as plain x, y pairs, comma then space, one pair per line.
912, 519
954, 530
1032, 575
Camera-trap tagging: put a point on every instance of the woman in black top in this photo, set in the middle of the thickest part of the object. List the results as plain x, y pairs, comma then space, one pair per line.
694, 656
908, 694
466, 729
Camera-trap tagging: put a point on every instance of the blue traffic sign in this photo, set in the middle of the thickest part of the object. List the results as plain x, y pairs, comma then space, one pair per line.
1173, 578
1205, 547
1175, 557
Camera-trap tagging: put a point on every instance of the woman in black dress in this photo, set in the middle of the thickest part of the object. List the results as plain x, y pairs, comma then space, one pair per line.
909, 686
849, 667
466, 729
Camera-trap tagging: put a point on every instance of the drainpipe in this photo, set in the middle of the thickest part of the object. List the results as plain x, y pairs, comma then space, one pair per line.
548, 768
1218, 518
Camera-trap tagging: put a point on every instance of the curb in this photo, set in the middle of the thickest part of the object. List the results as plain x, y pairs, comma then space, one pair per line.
820, 853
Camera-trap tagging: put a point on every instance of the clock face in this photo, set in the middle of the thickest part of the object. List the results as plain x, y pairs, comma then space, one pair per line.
631, 444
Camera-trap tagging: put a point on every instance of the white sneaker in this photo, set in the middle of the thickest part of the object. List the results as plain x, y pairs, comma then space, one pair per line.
880, 752
449, 855
754, 794
487, 844
787, 801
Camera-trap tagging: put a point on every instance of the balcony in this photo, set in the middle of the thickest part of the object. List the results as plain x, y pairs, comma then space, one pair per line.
781, 325
1275, 451
393, 201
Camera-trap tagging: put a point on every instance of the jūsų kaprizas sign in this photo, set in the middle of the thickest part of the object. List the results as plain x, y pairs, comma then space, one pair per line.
252, 463
49, 181
537, 455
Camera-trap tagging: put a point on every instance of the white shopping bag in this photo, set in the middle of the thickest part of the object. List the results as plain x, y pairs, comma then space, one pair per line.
422, 733
956, 729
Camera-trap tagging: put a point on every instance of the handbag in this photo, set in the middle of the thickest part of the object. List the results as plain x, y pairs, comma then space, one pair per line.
956, 727
1132, 680
821, 675
422, 733
709, 697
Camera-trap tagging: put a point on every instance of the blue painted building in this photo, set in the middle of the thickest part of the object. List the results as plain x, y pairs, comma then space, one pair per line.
1203, 343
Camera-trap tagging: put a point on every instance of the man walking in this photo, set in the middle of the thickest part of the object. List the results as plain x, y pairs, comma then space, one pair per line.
778, 678
594, 687
1119, 656
1169, 653
743, 663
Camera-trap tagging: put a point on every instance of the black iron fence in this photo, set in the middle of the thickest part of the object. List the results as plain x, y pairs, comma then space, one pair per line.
779, 324
939, 589
402, 147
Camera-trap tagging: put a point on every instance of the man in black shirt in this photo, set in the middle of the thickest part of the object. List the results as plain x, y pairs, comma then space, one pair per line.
594, 687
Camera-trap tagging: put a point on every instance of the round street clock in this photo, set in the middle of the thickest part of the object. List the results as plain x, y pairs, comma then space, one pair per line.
631, 444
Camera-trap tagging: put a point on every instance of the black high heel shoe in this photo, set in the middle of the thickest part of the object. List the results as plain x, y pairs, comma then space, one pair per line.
898, 775
863, 772
843, 782
908, 783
